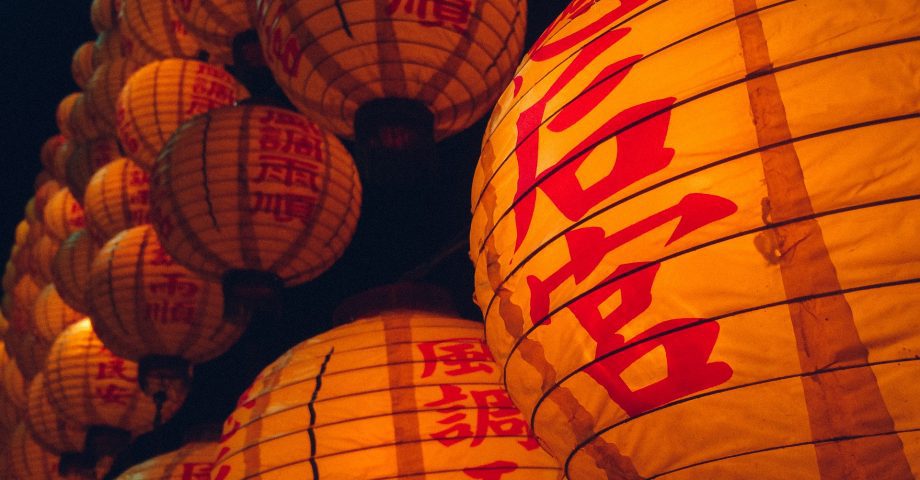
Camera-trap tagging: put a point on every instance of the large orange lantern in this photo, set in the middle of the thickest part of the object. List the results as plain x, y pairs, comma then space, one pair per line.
70, 269
193, 460
694, 239
387, 71
81, 65
63, 215
86, 159
51, 315
255, 195
105, 85
154, 31
117, 198
97, 390
162, 95
216, 23
148, 308
421, 388
26, 459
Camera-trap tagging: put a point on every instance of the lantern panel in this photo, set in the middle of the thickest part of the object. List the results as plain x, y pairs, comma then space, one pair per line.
117, 198
154, 31
70, 269
193, 460
47, 427
26, 459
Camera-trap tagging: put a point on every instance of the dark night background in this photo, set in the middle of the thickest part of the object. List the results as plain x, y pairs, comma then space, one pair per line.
415, 233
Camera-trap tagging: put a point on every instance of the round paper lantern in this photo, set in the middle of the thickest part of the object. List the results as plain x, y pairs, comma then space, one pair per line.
104, 86
52, 431
148, 308
29, 353
95, 389
41, 256
194, 460
18, 309
12, 390
117, 198
450, 58
155, 31
64, 112
75, 120
49, 153
111, 45
4, 325
63, 215
252, 189
216, 23
51, 315
81, 65
161, 96
421, 388
21, 232
103, 14
70, 269
26, 459
694, 239
86, 159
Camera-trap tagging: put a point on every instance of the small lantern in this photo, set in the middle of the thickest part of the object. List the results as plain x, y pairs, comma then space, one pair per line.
49, 153
41, 256
12, 390
70, 269
63, 215
117, 198
105, 85
51, 315
81, 65
155, 32
86, 159
103, 14
111, 45
216, 23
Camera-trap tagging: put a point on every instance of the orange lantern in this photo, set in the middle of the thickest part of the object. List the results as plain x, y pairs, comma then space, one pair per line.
70, 269
58, 166
216, 23
104, 86
49, 153
75, 120
86, 159
63, 215
52, 431
256, 196
194, 460
4, 325
162, 95
154, 31
41, 256
12, 390
694, 239
28, 351
21, 232
26, 459
81, 65
117, 198
103, 14
421, 388
51, 315
97, 390
111, 45
18, 305
371, 69
148, 308
64, 112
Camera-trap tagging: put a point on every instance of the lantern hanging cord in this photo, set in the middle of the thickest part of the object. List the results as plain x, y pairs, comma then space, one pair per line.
159, 398
421, 271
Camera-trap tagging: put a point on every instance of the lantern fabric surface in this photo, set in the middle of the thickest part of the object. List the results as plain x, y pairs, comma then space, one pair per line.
81, 65
51, 315
117, 198
331, 57
70, 269
111, 45
162, 95
215, 23
154, 31
90, 385
49, 152
63, 113
28, 352
105, 85
695, 238
12, 390
255, 188
28, 460
192, 461
86, 159
103, 14
48, 428
18, 309
63, 215
145, 303
421, 388
41, 256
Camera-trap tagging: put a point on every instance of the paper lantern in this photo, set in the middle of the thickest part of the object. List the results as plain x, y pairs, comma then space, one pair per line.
332, 58
161, 96
148, 308
216, 23
28, 352
21, 232
58, 166
421, 388
64, 112
117, 198
49, 152
154, 30
18, 309
104, 86
51, 315
41, 256
256, 196
75, 120
110, 46
81, 65
95, 389
26, 459
194, 460
70, 269
693, 237
86, 159
49, 429
12, 390
63, 215
4, 325
103, 14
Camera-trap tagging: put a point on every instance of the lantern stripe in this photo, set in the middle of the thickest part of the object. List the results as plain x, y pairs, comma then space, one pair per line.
310, 407
391, 70
248, 239
399, 346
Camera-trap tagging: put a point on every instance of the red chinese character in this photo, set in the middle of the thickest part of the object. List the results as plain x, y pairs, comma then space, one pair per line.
288, 171
173, 284
491, 471
462, 355
224, 471
293, 140
114, 367
284, 207
166, 312
543, 49
196, 471
455, 13
114, 394
495, 415
138, 178
140, 197
160, 257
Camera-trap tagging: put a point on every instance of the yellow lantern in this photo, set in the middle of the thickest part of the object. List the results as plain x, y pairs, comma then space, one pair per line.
216, 23
70, 269
81, 65
51, 315
52, 431
155, 31
337, 61
97, 390
421, 388
256, 196
694, 238
103, 14
148, 308
63, 215
117, 198
164, 94
26, 459
104, 86
192, 461
86, 159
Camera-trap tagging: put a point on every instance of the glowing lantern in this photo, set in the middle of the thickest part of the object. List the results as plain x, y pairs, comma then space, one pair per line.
41, 256
95, 389
421, 388
63, 215
47, 427
216, 23
4, 325
161, 96
86, 159
12, 390
70, 269
52, 315
363, 67
194, 460
256, 196
103, 14
26, 459
148, 308
117, 198
154, 31
81, 65
64, 112
694, 240
104, 86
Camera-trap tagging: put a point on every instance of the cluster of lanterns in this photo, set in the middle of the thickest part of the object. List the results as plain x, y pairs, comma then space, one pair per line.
692, 239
